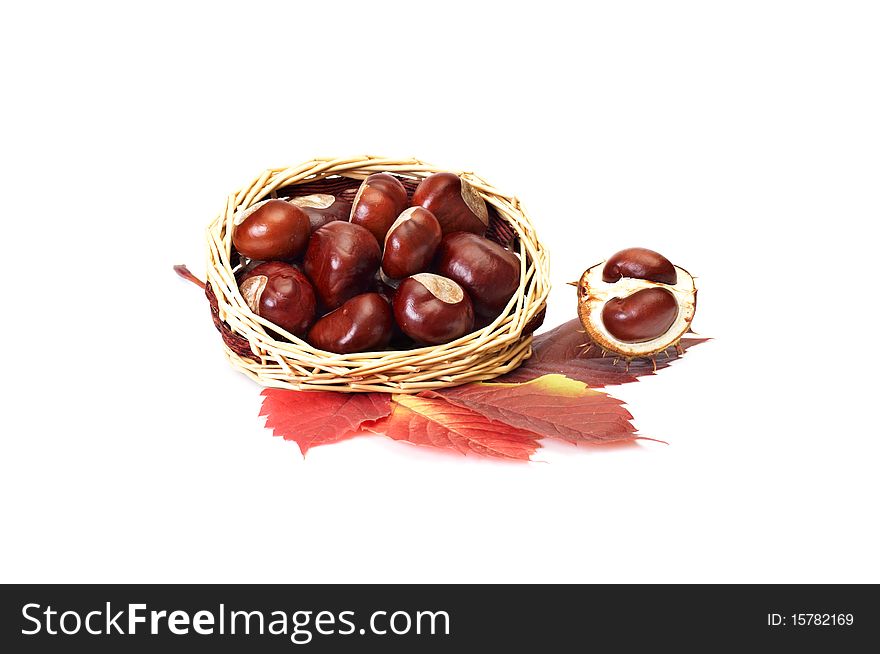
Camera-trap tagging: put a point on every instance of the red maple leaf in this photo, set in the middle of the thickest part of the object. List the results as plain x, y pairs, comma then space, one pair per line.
314, 418
551, 406
435, 422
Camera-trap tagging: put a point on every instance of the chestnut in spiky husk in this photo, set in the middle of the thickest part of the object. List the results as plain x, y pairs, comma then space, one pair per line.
281, 294
637, 303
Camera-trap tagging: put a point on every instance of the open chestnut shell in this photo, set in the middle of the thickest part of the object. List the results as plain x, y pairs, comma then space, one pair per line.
454, 202
362, 324
647, 306
341, 260
281, 294
271, 230
432, 309
488, 272
411, 243
380, 199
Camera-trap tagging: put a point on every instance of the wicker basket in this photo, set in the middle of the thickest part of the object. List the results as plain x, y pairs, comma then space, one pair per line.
484, 354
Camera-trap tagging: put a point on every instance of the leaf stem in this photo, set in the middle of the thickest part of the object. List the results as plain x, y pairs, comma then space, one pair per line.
184, 272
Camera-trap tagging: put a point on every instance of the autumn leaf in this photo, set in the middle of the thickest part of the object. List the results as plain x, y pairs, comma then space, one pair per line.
548, 396
559, 351
319, 417
434, 421
552, 406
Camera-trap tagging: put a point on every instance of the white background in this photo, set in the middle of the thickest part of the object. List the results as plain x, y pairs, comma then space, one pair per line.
740, 139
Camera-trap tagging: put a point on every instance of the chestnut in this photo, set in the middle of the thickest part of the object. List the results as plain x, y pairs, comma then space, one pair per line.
488, 272
639, 317
379, 201
411, 243
281, 294
639, 263
361, 324
341, 260
270, 230
454, 202
432, 309
322, 208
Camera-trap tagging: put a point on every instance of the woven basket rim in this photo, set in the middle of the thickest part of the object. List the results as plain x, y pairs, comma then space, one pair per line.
293, 363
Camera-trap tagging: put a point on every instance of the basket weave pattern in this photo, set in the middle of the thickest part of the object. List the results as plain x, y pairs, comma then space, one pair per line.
251, 347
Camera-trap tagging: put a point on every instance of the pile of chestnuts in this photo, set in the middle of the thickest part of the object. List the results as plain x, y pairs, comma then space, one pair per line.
377, 271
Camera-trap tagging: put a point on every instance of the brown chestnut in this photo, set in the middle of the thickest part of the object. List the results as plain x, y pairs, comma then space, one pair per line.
411, 243
379, 201
639, 263
270, 230
644, 315
454, 202
488, 272
322, 208
361, 324
432, 309
281, 294
341, 260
